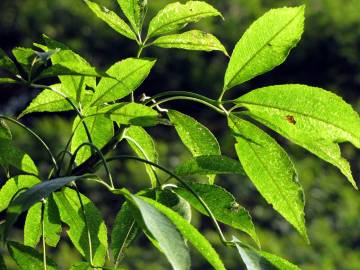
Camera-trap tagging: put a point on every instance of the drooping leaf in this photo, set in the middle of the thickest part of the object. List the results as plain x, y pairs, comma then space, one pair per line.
265, 44
5, 132
133, 10
196, 137
271, 171
12, 186
28, 258
222, 204
71, 213
143, 145
176, 16
188, 231
101, 130
10, 155
36, 194
125, 231
209, 164
32, 227
128, 74
192, 40
260, 260
161, 228
311, 117
48, 101
113, 20
6, 63
132, 114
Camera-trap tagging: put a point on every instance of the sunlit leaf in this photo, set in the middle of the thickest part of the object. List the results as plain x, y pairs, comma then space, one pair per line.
311, 117
271, 171
113, 20
192, 40
24, 56
32, 227
128, 74
133, 10
209, 164
265, 44
71, 213
132, 114
143, 145
176, 16
222, 204
48, 101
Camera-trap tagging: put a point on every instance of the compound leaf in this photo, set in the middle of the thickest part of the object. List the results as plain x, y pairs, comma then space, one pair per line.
271, 171
265, 44
192, 40
176, 16
113, 20
311, 117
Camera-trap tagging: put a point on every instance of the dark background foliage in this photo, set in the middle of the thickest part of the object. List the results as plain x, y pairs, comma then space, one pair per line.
328, 56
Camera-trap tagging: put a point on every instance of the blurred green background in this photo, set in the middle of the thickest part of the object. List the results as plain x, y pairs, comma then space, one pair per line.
328, 56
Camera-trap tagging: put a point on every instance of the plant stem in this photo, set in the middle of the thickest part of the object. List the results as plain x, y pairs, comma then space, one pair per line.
186, 185
43, 233
35, 136
101, 157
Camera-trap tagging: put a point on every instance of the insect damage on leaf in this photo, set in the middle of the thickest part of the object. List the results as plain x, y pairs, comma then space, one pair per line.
291, 119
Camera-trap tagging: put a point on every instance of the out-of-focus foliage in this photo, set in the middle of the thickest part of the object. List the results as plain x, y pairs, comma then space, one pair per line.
328, 56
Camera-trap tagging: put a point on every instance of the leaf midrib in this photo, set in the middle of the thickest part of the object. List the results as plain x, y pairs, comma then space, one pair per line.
213, 47
154, 32
261, 48
297, 112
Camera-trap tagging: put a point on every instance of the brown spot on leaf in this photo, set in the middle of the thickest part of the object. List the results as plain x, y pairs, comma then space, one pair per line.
291, 119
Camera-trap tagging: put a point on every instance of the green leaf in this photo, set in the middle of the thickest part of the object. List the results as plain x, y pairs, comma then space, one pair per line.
71, 213
113, 20
32, 227
6, 63
12, 156
176, 16
5, 132
260, 260
128, 74
265, 44
7, 80
132, 114
143, 145
271, 171
101, 129
125, 231
25, 56
175, 202
196, 137
223, 205
188, 231
48, 101
133, 10
52, 222
13, 186
161, 228
72, 86
210, 164
28, 258
81, 266
192, 40
311, 117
